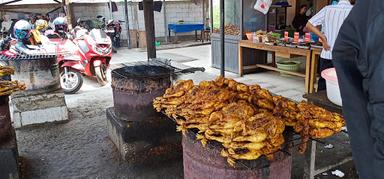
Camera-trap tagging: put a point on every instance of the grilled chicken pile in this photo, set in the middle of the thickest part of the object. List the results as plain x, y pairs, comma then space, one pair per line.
8, 87
247, 120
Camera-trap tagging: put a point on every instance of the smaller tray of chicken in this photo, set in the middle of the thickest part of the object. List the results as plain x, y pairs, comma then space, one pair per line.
7, 87
247, 120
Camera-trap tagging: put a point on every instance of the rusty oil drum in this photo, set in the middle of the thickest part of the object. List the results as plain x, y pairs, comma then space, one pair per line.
206, 162
40, 73
135, 87
5, 119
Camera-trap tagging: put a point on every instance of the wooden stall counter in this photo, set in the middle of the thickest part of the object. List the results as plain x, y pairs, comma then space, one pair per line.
263, 63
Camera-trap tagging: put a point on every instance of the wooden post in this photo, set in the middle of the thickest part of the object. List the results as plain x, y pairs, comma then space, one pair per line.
149, 28
211, 15
127, 23
241, 19
222, 27
69, 13
165, 21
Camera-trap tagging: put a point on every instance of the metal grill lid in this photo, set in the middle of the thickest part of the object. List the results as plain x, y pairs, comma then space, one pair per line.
142, 70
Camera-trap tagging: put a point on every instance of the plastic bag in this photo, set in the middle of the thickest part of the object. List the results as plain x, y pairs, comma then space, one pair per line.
263, 6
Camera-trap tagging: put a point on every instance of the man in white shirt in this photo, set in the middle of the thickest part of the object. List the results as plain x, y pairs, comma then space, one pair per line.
330, 18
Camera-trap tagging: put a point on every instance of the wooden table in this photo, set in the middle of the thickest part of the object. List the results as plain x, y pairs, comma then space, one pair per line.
182, 28
314, 62
277, 49
320, 99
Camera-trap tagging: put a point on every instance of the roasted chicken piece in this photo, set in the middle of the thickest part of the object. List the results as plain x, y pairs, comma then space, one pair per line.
245, 145
179, 89
321, 133
259, 136
6, 70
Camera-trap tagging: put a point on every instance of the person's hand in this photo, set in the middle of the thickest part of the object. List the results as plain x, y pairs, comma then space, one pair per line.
326, 46
324, 41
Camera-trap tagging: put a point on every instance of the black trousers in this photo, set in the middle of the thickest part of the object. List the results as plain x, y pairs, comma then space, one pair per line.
323, 64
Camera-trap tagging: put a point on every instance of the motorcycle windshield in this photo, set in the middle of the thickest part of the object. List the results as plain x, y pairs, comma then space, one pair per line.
99, 36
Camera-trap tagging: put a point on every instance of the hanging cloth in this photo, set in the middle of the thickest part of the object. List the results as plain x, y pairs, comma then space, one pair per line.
157, 6
114, 7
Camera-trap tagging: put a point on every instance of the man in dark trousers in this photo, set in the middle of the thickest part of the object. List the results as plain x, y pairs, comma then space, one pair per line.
359, 60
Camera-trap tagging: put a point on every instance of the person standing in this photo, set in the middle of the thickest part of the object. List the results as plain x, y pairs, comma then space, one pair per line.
359, 61
330, 18
300, 19
6, 25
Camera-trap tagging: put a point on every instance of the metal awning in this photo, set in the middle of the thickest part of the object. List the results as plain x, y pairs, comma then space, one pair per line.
24, 2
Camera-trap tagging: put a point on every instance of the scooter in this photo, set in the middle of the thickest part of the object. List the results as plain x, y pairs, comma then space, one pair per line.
88, 55
96, 54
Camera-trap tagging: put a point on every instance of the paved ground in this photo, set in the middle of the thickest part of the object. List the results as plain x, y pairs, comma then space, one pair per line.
81, 148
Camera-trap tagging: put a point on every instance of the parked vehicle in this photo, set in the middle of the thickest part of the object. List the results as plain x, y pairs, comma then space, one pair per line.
113, 30
88, 54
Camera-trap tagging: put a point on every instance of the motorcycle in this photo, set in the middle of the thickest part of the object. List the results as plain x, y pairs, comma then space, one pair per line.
88, 54
113, 30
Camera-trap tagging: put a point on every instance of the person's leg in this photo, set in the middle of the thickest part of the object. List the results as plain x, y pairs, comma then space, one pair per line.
356, 116
323, 64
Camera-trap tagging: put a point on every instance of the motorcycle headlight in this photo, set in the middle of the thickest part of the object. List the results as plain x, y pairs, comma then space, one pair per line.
102, 48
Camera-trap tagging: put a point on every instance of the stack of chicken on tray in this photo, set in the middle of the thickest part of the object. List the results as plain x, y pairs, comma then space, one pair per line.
8, 87
247, 120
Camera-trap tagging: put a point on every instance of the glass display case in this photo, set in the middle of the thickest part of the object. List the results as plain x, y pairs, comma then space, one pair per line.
232, 17
240, 17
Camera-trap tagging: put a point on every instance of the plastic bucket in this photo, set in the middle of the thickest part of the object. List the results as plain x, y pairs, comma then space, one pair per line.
333, 90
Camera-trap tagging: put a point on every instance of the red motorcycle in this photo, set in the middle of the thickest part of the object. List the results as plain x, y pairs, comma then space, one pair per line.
87, 55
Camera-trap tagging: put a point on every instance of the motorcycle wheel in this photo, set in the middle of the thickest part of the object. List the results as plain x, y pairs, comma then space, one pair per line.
71, 82
101, 75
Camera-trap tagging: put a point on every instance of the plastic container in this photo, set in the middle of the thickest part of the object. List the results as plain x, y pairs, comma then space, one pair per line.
314, 37
333, 90
288, 65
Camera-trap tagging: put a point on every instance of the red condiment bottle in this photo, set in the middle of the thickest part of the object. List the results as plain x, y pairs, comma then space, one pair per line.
307, 38
296, 37
286, 36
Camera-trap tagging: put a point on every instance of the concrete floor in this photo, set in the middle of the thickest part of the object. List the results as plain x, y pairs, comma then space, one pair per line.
81, 148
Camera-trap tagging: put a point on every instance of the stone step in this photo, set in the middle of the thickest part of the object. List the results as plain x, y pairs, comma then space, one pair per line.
143, 142
38, 109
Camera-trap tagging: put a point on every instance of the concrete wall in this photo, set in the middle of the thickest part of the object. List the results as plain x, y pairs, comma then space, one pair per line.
187, 11
176, 10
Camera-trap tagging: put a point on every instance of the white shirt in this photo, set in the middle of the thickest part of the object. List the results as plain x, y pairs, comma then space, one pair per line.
331, 18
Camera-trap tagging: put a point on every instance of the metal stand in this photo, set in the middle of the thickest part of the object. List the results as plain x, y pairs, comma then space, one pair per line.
310, 170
